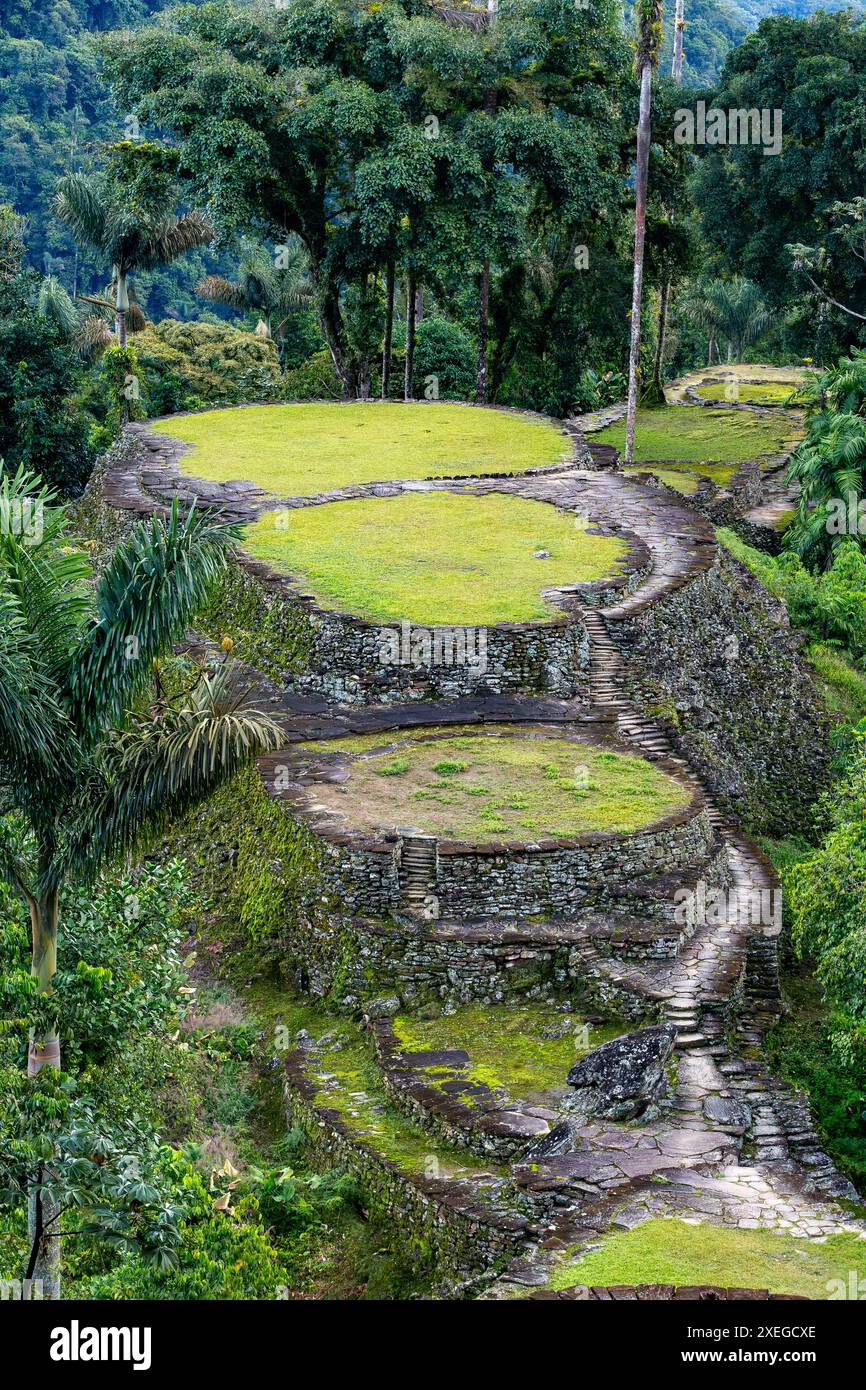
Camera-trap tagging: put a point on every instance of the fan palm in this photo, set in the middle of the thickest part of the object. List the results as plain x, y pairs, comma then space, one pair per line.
276, 292
90, 333
130, 226
83, 770
732, 310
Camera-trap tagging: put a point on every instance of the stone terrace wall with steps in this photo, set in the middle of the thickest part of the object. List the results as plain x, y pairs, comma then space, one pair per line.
717, 666
552, 879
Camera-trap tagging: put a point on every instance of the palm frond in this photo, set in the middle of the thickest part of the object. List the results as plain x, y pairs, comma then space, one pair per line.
160, 767
147, 595
56, 304
79, 203
94, 336
221, 291
172, 237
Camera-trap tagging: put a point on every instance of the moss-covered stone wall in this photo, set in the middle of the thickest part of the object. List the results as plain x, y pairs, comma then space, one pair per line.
717, 664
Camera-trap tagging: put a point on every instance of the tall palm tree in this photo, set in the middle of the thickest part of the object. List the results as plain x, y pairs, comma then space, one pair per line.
648, 45
732, 310
679, 26
88, 768
129, 232
277, 292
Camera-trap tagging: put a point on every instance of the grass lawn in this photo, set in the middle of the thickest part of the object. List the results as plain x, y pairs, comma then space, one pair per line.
433, 557
299, 450
672, 1252
692, 434
843, 683
526, 1049
750, 393
499, 785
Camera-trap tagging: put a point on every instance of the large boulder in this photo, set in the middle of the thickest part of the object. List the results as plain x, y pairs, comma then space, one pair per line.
622, 1079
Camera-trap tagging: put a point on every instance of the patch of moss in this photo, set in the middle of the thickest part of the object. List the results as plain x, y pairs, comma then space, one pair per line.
673, 1252
525, 1049
752, 393
843, 684
274, 636
341, 1065
694, 434
300, 450
532, 785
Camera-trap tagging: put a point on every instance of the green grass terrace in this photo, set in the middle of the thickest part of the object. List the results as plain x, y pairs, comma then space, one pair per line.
507, 782
434, 557
699, 435
302, 450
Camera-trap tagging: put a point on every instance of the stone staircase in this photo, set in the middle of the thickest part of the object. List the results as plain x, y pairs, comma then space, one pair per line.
417, 873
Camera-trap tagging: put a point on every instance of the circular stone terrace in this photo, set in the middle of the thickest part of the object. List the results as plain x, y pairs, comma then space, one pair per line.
399, 584
467, 821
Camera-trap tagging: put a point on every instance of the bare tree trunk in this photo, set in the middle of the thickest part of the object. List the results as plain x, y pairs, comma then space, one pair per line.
410, 335
419, 304
483, 321
389, 329
710, 348
677, 64
43, 1267
490, 106
643, 140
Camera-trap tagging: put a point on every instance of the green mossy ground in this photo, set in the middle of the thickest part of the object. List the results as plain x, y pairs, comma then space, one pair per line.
343, 1068
693, 434
752, 393
299, 450
685, 481
675, 1252
526, 1050
843, 684
484, 786
434, 557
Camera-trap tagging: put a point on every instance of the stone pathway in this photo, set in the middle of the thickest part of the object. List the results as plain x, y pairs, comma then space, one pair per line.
733, 1144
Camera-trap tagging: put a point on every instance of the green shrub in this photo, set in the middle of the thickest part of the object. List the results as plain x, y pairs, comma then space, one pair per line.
187, 365
830, 606
446, 352
313, 380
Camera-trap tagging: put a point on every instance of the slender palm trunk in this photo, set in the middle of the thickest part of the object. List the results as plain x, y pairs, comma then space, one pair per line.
677, 64
410, 335
389, 329
643, 141
122, 306
43, 1266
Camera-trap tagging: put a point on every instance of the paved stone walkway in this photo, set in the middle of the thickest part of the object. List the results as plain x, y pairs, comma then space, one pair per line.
734, 1145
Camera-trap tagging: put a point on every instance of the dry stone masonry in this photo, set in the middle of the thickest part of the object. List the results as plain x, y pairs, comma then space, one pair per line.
684, 661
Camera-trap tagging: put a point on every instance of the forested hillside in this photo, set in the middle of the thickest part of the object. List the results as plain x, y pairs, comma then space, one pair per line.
713, 27
55, 110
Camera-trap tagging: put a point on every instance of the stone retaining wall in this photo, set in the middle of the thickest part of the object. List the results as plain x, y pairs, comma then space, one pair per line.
349, 660
473, 881
437, 1220
716, 664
